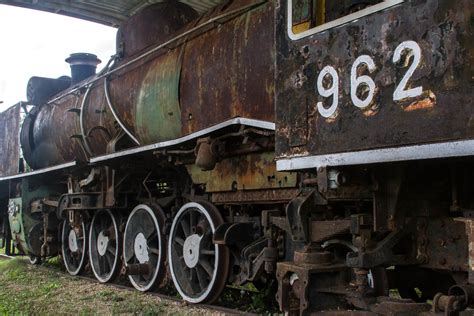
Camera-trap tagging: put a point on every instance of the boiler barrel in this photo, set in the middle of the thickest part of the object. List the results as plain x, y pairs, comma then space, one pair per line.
223, 73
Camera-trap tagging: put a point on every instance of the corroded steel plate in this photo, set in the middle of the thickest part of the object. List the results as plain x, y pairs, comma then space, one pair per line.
9, 141
395, 78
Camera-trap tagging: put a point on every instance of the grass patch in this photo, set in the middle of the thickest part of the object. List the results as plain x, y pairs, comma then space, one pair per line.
27, 289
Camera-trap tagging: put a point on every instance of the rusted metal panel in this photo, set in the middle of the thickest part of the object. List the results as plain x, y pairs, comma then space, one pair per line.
255, 196
151, 109
433, 105
449, 250
323, 230
229, 71
161, 96
252, 172
10, 141
147, 28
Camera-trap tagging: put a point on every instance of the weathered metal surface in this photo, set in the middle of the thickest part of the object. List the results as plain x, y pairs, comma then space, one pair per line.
40, 89
233, 76
445, 245
9, 141
151, 97
17, 229
254, 196
157, 111
306, 288
469, 229
46, 134
252, 172
154, 24
440, 111
83, 66
323, 230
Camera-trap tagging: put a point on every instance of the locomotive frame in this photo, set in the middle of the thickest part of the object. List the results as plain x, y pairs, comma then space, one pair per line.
336, 196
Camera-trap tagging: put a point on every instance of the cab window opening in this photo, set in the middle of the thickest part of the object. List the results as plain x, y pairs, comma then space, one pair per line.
310, 14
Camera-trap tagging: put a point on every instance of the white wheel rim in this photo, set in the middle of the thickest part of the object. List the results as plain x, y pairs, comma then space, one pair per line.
140, 241
109, 276
84, 245
203, 296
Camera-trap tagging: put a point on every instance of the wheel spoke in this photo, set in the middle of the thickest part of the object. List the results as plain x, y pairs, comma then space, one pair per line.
151, 236
96, 230
154, 250
191, 220
110, 261
179, 240
201, 275
111, 249
207, 267
185, 227
102, 268
102, 224
208, 252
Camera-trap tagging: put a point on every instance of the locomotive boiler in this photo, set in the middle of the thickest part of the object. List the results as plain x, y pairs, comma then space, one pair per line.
319, 146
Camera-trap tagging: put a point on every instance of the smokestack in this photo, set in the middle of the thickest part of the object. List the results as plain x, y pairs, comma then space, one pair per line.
83, 66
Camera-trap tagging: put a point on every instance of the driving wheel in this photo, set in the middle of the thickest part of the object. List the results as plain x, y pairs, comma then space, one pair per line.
198, 267
144, 247
105, 246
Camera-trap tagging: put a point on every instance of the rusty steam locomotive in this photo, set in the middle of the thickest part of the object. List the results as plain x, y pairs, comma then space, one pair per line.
323, 145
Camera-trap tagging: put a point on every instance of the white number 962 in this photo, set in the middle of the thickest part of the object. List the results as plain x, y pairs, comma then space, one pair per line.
363, 88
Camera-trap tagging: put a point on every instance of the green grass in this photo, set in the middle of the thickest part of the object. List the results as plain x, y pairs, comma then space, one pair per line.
27, 289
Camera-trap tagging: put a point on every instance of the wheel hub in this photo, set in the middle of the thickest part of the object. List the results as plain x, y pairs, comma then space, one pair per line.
191, 250
141, 248
102, 243
73, 241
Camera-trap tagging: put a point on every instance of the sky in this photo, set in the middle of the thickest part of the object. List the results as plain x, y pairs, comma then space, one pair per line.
36, 43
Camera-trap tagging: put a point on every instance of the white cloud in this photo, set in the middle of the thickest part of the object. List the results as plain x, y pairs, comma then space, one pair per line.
34, 43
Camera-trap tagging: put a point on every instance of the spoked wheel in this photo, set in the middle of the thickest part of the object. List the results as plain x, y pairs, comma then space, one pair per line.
144, 247
198, 267
74, 247
104, 246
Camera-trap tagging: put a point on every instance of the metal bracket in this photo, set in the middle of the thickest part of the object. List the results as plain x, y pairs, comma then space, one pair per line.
235, 234
297, 213
382, 254
322, 179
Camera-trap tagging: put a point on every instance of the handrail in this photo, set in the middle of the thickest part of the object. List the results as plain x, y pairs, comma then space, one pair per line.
81, 121
114, 113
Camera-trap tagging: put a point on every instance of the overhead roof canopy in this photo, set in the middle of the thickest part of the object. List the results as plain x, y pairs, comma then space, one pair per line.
108, 12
